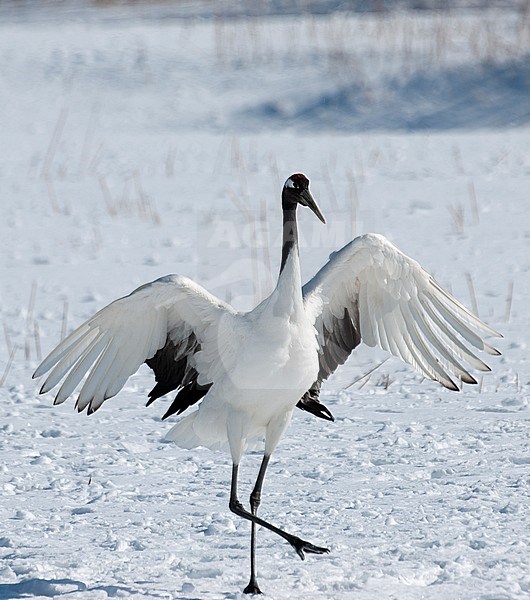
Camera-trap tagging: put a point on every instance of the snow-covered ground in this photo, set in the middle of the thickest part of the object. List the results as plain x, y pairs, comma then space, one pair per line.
134, 147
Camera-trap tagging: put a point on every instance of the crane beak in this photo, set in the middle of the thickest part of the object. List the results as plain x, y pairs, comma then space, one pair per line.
309, 201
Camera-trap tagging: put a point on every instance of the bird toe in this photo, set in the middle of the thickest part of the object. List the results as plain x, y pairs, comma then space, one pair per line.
301, 547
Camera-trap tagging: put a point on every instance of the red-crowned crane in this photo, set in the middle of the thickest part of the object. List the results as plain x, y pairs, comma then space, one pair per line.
250, 370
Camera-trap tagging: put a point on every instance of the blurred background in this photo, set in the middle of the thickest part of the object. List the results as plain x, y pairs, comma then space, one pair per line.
154, 137
345, 66
139, 139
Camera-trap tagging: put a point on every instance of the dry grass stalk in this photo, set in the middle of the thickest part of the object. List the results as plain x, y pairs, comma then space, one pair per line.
64, 322
31, 303
473, 202
146, 208
457, 214
7, 337
251, 223
29, 319
273, 165
8, 365
54, 142
365, 382
354, 201
471, 288
141, 199
509, 301
236, 158
367, 374
87, 143
384, 381
36, 337
268, 283
170, 162
330, 189
459, 163
52, 195
95, 159
107, 196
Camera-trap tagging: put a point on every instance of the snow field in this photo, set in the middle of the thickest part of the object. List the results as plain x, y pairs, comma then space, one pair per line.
123, 161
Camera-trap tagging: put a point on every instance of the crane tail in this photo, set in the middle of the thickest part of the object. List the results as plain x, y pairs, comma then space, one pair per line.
188, 434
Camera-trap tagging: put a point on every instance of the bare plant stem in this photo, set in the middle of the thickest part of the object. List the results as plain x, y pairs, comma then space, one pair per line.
29, 319
64, 323
36, 335
52, 195
366, 374
472, 295
251, 222
457, 214
54, 142
509, 300
107, 196
170, 162
268, 281
31, 303
8, 366
473, 202
87, 142
7, 337
354, 202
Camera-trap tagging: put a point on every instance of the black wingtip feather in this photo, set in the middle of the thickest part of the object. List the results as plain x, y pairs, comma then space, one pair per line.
187, 396
151, 399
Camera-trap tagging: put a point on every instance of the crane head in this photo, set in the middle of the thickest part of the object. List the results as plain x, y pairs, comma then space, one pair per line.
296, 191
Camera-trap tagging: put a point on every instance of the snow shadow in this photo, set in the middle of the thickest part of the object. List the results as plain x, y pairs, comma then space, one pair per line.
52, 588
465, 97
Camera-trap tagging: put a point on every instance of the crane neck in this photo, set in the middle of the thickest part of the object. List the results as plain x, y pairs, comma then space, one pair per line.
290, 235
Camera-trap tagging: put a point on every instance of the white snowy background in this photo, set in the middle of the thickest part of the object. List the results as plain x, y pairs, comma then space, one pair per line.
144, 139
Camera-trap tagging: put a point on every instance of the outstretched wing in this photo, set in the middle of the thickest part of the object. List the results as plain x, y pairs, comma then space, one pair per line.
370, 291
164, 323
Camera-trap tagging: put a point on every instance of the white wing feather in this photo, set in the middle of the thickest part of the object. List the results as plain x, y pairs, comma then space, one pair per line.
112, 345
392, 302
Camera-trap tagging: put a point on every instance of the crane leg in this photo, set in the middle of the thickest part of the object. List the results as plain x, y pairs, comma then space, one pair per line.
301, 546
255, 500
